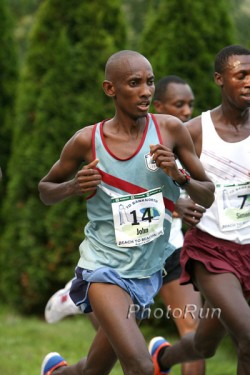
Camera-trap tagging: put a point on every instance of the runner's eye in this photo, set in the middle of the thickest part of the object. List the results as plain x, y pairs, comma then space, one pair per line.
151, 82
133, 83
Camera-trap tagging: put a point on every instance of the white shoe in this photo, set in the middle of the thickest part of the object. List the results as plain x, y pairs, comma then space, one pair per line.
60, 305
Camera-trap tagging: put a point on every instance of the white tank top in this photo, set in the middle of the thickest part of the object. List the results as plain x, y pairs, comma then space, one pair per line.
228, 166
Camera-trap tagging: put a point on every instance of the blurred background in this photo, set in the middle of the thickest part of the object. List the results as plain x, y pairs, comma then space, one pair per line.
52, 59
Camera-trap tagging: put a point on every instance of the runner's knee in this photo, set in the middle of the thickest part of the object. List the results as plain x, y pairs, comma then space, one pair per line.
205, 347
186, 325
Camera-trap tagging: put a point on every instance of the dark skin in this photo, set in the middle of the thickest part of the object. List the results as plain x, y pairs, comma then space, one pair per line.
232, 123
180, 105
178, 101
231, 118
87, 178
127, 125
129, 81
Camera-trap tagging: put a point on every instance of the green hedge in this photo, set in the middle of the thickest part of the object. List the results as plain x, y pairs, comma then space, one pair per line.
182, 38
60, 91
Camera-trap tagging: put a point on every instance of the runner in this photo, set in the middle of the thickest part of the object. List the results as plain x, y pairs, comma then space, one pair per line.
132, 191
216, 253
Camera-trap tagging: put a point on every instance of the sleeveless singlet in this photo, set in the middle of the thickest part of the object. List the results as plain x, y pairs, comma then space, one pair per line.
117, 215
227, 165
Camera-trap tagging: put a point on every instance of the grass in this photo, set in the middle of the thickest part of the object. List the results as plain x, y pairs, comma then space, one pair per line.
24, 341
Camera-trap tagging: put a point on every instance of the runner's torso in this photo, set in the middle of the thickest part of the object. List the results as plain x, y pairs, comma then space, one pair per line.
137, 247
227, 164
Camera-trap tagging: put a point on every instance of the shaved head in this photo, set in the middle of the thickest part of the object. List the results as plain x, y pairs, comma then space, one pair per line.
119, 61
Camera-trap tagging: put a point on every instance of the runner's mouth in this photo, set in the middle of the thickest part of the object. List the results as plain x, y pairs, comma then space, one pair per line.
144, 105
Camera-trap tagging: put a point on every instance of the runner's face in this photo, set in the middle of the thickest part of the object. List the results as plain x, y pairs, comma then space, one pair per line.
179, 101
134, 87
235, 81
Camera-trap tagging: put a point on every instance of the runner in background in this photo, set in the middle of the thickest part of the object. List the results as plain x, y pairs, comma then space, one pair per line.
175, 97
216, 253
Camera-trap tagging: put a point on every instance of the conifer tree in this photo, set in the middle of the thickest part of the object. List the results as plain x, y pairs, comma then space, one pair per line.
8, 80
60, 92
183, 37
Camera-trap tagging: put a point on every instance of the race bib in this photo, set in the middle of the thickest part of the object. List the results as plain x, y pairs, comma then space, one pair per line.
233, 206
138, 219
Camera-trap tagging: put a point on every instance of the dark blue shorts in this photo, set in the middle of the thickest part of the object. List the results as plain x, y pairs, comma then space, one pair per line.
172, 267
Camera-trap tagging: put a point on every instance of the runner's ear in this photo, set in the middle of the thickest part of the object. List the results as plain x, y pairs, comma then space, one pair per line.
218, 79
108, 88
158, 106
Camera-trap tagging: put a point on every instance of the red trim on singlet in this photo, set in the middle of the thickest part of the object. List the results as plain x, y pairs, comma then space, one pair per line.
93, 141
157, 128
136, 151
130, 188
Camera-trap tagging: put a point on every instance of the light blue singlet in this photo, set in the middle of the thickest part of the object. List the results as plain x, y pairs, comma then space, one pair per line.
131, 176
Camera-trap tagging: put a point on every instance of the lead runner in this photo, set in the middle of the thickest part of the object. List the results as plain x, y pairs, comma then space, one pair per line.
132, 153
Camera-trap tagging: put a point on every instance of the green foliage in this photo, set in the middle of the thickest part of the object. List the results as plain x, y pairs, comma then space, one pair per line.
8, 80
183, 40
241, 15
22, 7
60, 91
